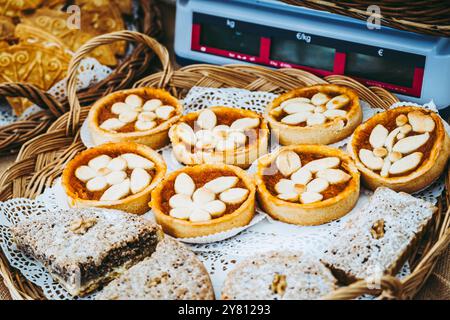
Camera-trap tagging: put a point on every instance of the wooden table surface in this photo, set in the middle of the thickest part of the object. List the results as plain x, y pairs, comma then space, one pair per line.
437, 286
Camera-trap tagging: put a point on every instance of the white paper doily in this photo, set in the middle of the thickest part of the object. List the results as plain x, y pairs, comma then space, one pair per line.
90, 72
218, 257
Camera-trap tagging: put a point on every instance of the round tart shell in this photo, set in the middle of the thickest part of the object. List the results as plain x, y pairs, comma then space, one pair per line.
186, 229
242, 157
155, 138
425, 174
135, 203
327, 133
313, 213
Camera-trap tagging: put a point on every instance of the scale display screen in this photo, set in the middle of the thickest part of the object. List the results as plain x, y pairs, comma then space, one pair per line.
383, 69
302, 53
220, 37
394, 70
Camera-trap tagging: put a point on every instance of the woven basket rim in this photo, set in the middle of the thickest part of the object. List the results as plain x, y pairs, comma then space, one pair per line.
424, 17
41, 159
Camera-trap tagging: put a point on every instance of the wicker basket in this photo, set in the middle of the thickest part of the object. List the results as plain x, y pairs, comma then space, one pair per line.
132, 68
43, 158
430, 17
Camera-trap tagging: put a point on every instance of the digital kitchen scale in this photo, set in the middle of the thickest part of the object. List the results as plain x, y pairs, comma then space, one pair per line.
274, 34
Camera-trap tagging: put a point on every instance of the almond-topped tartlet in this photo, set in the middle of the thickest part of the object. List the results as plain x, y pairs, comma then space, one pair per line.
320, 114
204, 199
220, 135
115, 176
141, 115
404, 149
307, 184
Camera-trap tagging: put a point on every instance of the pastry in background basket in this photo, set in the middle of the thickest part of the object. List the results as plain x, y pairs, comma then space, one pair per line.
203, 200
307, 184
278, 276
115, 176
172, 272
85, 248
141, 115
42, 66
405, 149
11, 8
55, 23
320, 114
220, 135
379, 239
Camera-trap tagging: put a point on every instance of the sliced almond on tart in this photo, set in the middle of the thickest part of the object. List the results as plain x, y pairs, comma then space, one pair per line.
112, 124
135, 161
139, 180
117, 164
323, 163
378, 136
288, 162
221, 184
180, 201
141, 125
295, 107
203, 195
164, 112
117, 191
207, 119
310, 197
317, 185
128, 116
406, 164
115, 177
85, 173
215, 208
180, 213
285, 186
319, 99
293, 196
421, 122
294, 100
331, 114
133, 101
370, 160
152, 104
245, 124
334, 176
120, 107
302, 176
184, 184
315, 119
338, 102
199, 215
99, 162
411, 143
234, 195
97, 184
296, 118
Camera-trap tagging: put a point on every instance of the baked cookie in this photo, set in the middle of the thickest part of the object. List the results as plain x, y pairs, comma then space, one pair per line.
141, 115
404, 149
320, 114
172, 272
204, 199
220, 135
379, 239
278, 276
115, 175
307, 184
85, 248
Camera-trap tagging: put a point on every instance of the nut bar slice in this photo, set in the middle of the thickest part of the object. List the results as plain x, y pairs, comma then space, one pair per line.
379, 239
85, 248
173, 272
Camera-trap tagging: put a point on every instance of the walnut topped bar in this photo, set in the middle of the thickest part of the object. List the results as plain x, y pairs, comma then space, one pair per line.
85, 248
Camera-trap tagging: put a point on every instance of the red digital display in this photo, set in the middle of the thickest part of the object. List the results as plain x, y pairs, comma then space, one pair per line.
395, 73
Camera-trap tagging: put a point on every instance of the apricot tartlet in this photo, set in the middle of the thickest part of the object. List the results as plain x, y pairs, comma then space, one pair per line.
220, 135
404, 149
204, 199
141, 115
320, 114
114, 176
307, 184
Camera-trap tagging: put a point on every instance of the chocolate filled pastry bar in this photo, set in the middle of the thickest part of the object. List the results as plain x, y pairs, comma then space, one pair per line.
173, 272
86, 248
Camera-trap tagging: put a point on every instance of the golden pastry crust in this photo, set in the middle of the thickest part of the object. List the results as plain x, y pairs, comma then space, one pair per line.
186, 229
327, 133
313, 213
155, 138
242, 157
425, 174
135, 203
